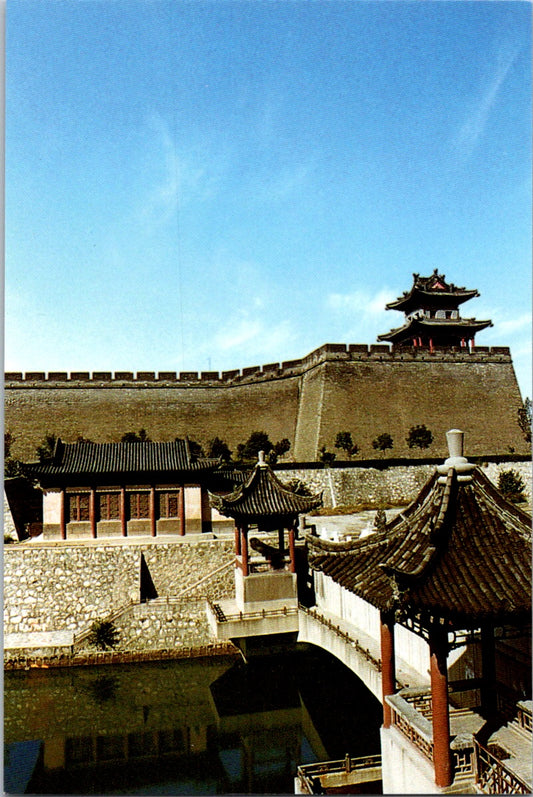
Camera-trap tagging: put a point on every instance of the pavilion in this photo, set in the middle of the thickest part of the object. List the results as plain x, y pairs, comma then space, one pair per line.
454, 568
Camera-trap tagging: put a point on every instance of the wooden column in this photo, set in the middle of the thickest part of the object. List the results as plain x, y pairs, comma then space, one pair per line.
237, 541
388, 663
244, 549
122, 512
488, 670
292, 550
442, 758
153, 519
62, 514
181, 510
92, 512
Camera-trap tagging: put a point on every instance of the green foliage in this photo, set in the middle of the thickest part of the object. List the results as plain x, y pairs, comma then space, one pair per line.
8, 539
258, 441
345, 442
45, 451
524, 419
194, 447
282, 446
104, 635
136, 437
218, 448
327, 457
382, 442
512, 486
419, 437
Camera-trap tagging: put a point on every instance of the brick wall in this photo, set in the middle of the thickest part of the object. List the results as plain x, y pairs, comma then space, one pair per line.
336, 388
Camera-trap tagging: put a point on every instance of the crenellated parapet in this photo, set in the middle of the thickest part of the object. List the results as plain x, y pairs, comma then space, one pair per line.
352, 352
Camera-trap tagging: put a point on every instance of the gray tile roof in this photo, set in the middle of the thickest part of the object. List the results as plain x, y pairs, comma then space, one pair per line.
108, 458
263, 497
460, 551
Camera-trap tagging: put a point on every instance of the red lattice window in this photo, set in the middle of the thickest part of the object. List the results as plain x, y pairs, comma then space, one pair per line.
109, 506
78, 507
168, 504
139, 505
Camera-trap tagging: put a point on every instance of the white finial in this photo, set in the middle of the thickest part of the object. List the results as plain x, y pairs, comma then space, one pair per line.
456, 460
261, 459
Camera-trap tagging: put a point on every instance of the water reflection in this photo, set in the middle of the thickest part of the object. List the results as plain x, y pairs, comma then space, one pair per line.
184, 727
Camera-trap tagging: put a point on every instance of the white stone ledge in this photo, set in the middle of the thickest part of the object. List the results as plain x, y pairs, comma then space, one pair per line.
39, 639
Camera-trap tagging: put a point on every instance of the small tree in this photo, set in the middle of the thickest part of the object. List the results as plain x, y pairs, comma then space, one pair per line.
345, 442
512, 486
282, 446
382, 442
218, 448
327, 457
45, 451
103, 635
419, 437
524, 419
136, 437
258, 441
11, 466
194, 447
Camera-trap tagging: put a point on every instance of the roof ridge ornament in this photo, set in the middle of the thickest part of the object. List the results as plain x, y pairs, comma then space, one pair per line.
261, 460
456, 460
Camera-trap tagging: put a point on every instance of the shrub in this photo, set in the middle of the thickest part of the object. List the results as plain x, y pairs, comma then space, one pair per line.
104, 635
382, 442
325, 456
419, 437
511, 485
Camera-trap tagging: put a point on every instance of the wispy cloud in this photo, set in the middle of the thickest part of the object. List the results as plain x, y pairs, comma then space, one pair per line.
178, 174
361, 302
472, 128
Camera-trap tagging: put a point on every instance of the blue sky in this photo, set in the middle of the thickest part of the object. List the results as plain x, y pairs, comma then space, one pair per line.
212, 185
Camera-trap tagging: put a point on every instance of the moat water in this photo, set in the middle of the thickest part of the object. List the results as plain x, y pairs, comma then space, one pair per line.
203, 726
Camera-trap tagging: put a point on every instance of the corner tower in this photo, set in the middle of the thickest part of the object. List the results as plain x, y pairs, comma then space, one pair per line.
432, 317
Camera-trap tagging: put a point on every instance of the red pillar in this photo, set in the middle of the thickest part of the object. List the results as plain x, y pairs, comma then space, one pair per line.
237, 541
181, 510
153, 521
92, 512
122, 512
244, 549
292, 551
442, 759
62, 518
388, 664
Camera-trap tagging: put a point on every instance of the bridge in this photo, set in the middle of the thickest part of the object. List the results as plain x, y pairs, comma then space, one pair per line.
448, 675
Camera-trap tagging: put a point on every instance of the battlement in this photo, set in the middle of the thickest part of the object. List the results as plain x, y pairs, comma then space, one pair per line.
328, 352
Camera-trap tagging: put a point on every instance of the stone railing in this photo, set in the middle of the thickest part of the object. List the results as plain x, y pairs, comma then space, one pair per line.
222, 617
309, 775
338, 631
411, 714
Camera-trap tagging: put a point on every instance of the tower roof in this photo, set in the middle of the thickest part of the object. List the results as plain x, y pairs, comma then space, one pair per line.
433, 290
460, 553
263, 499
449, 329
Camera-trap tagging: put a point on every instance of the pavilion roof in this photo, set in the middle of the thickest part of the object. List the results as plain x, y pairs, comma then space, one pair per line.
459, 327
433, 288
460, 552
263, 498
89, 459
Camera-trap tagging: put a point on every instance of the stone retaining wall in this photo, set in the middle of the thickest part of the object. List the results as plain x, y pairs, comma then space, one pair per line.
66, 586
394, 486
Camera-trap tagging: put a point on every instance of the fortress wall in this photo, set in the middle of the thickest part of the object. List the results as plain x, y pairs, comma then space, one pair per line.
356, 388
104, 412
368, 399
